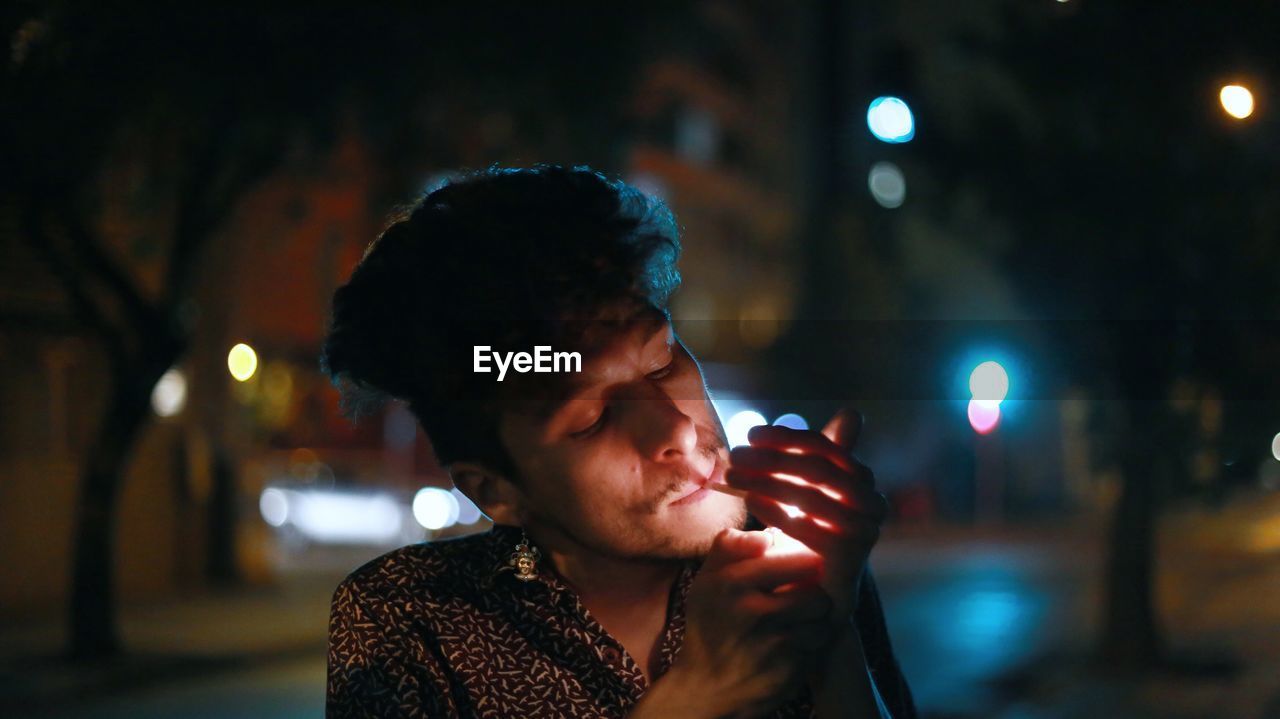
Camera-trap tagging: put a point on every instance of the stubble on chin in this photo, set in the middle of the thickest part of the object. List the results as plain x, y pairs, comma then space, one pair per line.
696, 544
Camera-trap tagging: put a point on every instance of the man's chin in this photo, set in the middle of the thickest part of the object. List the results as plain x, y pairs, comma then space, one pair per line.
693, 535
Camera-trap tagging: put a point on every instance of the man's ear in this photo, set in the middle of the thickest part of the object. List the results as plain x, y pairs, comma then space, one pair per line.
495, 495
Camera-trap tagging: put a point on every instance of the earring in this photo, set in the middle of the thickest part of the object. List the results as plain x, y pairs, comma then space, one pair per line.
525, 559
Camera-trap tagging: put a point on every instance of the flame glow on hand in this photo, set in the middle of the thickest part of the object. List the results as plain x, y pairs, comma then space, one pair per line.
782, 543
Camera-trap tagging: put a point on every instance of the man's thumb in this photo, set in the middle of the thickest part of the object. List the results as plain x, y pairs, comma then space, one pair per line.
733, 545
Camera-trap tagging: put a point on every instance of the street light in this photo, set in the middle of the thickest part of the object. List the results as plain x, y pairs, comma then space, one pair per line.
983, 417
989, 385
242, 362
1237, 100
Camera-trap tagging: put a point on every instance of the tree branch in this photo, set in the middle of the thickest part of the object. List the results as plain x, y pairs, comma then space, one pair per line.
143, 314
207, 199
73, 282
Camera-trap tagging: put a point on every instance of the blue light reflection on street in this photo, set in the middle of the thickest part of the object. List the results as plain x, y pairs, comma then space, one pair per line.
987, 620
960, 621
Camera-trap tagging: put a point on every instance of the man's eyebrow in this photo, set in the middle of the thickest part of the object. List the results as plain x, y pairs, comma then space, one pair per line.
568, 387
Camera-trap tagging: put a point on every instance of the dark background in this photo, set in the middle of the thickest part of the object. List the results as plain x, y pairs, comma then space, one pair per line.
1079, 206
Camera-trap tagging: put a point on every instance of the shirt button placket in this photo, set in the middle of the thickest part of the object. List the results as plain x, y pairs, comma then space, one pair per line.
612, 656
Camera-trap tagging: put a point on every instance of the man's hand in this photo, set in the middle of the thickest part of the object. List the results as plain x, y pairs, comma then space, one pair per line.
839, 509
755, 627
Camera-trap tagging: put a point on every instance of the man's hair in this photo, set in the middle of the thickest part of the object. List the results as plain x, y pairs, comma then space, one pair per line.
510, 258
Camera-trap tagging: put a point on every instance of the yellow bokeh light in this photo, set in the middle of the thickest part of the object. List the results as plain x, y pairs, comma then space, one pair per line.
1236, 100
242, 361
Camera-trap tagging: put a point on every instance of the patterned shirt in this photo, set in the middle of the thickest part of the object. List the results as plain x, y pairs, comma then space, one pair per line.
444, 629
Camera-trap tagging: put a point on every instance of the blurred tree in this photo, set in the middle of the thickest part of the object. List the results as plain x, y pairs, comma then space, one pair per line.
1142, 210
167, 115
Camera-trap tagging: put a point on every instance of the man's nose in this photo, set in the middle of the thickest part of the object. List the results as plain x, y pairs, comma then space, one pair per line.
666, 433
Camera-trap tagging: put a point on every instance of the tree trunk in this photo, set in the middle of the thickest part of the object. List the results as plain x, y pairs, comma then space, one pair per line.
94, 634
220, 567
1131, 637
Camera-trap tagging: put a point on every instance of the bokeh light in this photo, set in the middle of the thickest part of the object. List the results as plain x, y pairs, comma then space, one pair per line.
741, 423
1275, 446
169, 395
887, 184
468, 512
792, 420
242, 361
890, 120
989, 384
435, 508
1237, 100
983, 417
274, 506
345, 517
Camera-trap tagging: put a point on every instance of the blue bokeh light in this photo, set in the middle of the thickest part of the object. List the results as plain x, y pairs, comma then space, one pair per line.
890, 120
791, 420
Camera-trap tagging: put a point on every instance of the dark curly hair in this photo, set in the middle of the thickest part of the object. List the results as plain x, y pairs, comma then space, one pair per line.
505, 257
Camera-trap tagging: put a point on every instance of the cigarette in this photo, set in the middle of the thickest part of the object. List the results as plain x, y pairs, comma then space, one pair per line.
731, 491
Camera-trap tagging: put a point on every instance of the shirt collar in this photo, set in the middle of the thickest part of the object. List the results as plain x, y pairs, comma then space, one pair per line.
503, 541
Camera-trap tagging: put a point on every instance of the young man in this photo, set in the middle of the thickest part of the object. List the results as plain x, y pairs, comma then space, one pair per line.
615, 581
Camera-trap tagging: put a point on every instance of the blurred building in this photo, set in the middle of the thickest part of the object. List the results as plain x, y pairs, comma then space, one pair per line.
715, 136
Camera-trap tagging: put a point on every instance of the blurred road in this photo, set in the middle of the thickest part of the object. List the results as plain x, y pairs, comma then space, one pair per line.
284, 690
965, 612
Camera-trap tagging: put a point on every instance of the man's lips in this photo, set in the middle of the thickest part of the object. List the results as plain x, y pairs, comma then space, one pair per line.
699, 488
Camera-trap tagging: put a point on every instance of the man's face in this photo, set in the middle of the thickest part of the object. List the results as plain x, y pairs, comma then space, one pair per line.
617, 466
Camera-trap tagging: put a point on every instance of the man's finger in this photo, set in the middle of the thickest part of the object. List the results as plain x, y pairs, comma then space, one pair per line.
772, 571
802, 528
735, 545
799, 603
808, 497
844, 428
807, 467
801, 441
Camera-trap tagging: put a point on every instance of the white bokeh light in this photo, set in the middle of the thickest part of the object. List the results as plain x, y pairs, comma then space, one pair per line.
345, 517
169, 395
989, 384
740, 423
435, 508
274, 506
468, 512
1275, 447
334, 517
887, 184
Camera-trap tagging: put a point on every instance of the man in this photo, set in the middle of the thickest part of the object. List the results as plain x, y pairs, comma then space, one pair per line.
615, 582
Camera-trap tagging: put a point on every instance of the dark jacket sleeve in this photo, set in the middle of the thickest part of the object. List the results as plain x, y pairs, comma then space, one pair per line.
892, 685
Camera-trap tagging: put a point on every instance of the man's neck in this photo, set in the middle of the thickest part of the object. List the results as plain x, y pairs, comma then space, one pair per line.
604, 580
628, 597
